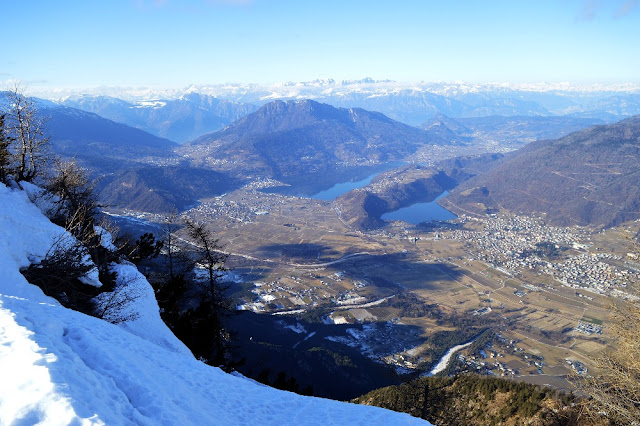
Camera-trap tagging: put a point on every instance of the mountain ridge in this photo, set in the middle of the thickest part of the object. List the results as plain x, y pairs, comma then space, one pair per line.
590, 177
179, 120
290, 139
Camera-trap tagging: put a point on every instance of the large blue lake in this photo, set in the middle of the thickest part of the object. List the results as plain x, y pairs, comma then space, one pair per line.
341, 188
421, 212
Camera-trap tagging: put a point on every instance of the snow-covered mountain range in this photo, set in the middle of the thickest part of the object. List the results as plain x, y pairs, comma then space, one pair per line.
410, 103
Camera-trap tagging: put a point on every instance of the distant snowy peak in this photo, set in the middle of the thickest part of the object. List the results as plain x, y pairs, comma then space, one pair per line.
150, 103
332, 82
317, 88
413, 103
407, 102
230, 90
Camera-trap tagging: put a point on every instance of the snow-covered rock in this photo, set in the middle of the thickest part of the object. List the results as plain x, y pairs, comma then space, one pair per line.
58, 366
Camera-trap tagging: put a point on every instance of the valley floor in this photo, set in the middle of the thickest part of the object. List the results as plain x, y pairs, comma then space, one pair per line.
540, 289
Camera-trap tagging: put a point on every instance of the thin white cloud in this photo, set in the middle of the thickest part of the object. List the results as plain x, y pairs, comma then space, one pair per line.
229, 2
589, 10
150, 4
592, 9
626, 8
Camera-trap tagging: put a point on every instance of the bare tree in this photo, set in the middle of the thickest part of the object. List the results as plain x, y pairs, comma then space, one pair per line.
71, 184
171, 248
76, 210
60, 271
5, 154
614, 390
115, 306
176, 263
171, 278
26, 128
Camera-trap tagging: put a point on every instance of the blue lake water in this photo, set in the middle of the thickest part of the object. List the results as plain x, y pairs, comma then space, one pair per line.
350, 179
341, 188
421, 212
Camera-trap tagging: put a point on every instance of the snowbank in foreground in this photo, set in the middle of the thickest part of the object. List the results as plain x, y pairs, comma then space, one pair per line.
59, 366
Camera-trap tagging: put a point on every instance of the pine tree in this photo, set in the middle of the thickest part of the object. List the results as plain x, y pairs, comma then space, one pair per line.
209, 317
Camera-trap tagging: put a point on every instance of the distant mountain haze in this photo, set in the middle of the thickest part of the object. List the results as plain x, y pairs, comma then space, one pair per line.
414, 103
179, 120
507, 131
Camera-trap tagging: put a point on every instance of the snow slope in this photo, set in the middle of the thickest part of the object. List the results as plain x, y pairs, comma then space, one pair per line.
59, 366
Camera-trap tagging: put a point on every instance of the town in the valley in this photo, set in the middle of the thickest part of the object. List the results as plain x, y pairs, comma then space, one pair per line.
539, 295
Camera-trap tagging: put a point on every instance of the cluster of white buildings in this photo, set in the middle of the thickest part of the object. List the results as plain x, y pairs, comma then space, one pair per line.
491, 359
509, 242
219, 207
488, 367
588, 328
590, 272
276, 295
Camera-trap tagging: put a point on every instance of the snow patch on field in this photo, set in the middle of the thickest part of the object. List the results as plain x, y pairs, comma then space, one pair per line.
297, 327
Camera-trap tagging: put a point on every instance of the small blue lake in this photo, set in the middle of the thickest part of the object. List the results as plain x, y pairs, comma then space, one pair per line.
421, 212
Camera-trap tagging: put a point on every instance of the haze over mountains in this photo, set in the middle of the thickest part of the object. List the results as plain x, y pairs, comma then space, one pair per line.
134, 169
410, 103
180, 119
506, 132
92, 138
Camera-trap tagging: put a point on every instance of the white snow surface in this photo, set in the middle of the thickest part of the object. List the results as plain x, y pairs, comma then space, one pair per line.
58, 366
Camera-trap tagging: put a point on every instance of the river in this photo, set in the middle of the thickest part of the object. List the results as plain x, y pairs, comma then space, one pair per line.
444, 361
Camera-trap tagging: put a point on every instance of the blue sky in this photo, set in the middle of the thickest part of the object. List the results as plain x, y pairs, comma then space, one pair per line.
170, 43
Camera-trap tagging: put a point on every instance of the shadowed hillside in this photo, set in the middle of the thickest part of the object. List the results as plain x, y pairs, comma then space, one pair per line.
290, 140
591, 177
